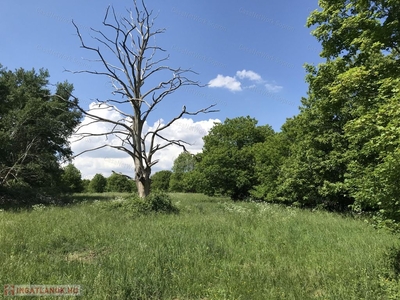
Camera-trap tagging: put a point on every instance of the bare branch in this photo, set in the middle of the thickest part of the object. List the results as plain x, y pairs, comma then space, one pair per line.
129, 58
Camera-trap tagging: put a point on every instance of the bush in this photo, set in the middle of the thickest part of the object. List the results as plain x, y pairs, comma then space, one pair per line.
98, 184
160, 202
156, 202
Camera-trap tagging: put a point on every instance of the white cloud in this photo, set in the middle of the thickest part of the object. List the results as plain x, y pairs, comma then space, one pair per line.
231, 83
249, 75
107, 159
186, 130
274, 88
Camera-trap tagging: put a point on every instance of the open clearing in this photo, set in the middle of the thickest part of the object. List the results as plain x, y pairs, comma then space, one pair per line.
212, 249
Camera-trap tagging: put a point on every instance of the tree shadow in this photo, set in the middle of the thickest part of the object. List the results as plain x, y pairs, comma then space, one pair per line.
87, 197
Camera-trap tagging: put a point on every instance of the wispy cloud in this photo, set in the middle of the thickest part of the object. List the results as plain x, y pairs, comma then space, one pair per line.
244, 74
231, 83
273, 88
234, 83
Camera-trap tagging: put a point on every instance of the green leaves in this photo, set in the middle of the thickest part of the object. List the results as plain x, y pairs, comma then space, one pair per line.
71, 179
346, 27
98, 184
346, 138
34, 129
119, 183
160, 180
228, 161
182, 179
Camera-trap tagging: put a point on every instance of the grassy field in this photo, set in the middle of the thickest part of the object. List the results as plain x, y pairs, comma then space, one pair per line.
212, 249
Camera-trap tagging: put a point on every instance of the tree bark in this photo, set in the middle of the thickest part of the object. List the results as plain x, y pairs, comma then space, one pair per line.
134, 53
143, 182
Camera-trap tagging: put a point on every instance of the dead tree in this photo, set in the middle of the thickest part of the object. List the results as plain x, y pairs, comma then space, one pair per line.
129, 58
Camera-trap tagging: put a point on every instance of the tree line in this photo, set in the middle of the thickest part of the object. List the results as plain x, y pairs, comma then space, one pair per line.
341, 152
72, 182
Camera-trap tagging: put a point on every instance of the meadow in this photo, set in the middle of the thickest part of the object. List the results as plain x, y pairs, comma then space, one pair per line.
212, 249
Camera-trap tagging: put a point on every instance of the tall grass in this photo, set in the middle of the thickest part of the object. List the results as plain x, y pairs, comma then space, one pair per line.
212, 249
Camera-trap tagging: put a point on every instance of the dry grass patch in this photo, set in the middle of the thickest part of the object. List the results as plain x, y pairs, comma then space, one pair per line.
85, 256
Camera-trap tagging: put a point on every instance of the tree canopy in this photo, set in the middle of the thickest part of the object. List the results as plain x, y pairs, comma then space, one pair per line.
98, 184
71, 179
346, 138
227, 162
34, 129
160, 180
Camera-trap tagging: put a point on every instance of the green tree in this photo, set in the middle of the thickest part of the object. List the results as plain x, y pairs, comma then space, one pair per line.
34, 130
269, 157
71, 179
98, 184
118, 183
332, 161
184, 164
365, 35
85, 185
227, 162
160, 180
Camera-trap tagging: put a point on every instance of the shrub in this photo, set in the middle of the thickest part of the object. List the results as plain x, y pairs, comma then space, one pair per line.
98, 184
160, 202
156, 202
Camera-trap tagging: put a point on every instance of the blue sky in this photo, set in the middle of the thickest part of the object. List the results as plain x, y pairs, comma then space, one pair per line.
250, 53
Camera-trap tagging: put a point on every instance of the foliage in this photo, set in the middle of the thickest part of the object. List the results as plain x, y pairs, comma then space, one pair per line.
34, 131
157, 202
71, 179
345, 141
185, 162
227, 162
192, 181
375, 152
119, 183
269, 157
182, 171
160, 180
85, 185
160, 201
98, 184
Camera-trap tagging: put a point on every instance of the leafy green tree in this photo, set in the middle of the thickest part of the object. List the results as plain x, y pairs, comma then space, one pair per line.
269, 157
118, 183
227, 163
85, 185
34, 130
71, 179
98, 184
365, 36
184, 164
160, 180
332, 161
374, 151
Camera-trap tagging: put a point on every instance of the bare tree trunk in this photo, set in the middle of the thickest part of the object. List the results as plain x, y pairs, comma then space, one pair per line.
133, 50
143, 182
